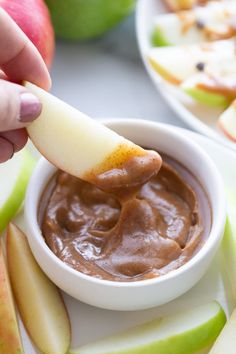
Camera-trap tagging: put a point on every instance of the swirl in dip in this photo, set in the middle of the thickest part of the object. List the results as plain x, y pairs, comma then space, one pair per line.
126, 231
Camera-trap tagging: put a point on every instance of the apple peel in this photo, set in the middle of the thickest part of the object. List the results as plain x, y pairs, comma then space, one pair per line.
14, 177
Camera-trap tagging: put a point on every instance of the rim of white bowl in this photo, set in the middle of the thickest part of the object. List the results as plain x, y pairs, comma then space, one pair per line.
217, 227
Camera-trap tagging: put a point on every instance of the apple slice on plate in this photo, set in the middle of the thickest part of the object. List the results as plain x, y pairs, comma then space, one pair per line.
39, 302
227, 122
79, 145
14, 176
215, 86
202, 24
187, 333
177, 64
10, 340
226, 342
177, 5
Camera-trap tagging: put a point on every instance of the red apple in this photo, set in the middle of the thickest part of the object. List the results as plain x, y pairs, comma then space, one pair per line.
32, 16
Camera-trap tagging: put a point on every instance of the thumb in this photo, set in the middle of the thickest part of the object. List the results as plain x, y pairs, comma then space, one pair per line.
17, 106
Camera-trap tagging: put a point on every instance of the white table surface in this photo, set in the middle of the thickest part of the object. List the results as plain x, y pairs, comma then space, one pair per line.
106, 78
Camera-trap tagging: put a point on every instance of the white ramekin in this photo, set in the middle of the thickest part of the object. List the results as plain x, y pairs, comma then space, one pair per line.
146, 293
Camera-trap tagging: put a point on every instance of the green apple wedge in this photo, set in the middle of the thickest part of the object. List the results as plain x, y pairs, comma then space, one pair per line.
215, 85
10, 340
177, 64
85, 19
201, 24
229, 242
227, 121
39, 302
189, 332
226, 342
14, 176
199, 87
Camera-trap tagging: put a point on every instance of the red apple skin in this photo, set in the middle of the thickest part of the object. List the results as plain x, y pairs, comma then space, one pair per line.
226, 132
33, 17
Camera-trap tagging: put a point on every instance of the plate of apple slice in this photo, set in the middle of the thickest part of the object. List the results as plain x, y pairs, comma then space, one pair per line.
202, 310
190, 56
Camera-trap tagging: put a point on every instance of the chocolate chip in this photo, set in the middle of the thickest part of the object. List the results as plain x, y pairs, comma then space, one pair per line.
200, 24
200, 66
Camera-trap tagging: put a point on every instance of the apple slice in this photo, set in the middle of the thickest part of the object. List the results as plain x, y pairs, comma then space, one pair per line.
10, 340
229, 242
226, 342
79, 145
176, 64
215, 86
202, 24
39, 302
199, 88
14, 176
177, 5
227, 122
187, 333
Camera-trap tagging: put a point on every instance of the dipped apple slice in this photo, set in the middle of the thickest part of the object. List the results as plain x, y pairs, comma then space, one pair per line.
84, 147
39, 302
14, 176
10, 340
177, 64
215, 85
227, 121
201, 24
187, 332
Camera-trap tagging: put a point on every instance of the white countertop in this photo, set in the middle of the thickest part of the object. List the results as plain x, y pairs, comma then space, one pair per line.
106, 78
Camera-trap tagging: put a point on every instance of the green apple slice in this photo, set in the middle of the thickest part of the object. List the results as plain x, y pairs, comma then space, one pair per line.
39, 302
187, 333
229, 241
10, 340
194, 87
78, 144
201, 24
177, 64
216, 86
227, 122
14, 176
226, 342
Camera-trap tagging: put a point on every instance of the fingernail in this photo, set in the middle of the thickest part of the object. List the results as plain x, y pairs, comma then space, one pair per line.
30, 107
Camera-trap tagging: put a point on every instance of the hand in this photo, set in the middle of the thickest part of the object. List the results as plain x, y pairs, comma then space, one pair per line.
19, 60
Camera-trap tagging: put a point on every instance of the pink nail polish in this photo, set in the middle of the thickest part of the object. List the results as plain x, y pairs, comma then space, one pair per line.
30, 107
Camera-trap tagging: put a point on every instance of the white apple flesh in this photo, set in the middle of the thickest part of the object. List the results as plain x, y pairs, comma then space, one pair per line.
38, 300
14, 176
188, 332
198, 25
177, 64
227, 122
76, 143
226, 342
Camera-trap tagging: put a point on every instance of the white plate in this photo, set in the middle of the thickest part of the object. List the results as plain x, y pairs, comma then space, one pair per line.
197, 116
90, 323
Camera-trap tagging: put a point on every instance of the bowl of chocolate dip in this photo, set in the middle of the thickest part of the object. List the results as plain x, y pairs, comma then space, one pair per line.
122, 245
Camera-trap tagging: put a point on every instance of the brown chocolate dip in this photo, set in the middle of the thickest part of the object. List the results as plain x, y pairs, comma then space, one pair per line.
130, 231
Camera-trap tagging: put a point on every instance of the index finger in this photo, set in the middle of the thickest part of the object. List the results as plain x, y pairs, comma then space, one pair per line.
19, 58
